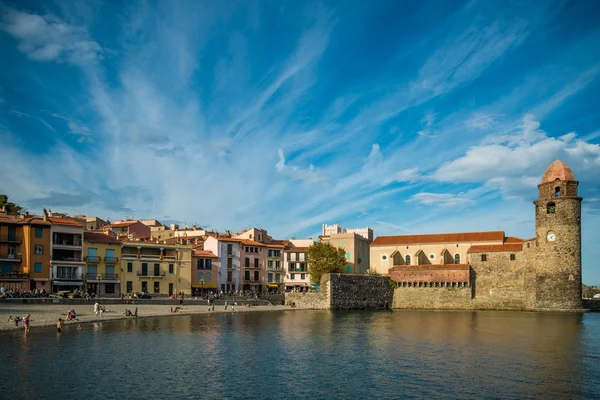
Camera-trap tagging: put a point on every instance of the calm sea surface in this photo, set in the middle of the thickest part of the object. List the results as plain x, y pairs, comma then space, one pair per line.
310, 354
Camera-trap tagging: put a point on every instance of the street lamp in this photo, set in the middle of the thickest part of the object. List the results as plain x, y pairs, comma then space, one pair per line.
202, 291
98, 286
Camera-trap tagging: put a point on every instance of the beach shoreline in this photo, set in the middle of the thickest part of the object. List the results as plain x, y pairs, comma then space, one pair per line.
45, 315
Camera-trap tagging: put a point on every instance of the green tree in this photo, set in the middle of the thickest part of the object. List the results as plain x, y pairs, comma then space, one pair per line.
11, 208
323, 258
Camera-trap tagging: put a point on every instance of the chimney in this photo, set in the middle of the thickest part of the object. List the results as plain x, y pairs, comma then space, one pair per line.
45, 215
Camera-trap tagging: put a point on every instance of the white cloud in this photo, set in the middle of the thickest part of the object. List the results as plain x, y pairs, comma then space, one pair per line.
308, 175
45, 39
587, 154
408, 175
441, 199
481, 121
79, 129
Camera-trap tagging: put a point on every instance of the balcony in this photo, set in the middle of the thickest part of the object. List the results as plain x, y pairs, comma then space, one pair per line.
101, 277
10, 258
274, 268
161, 275
129, 256
150, 256
10, 239
172, 258
93, 258
14, 275
78, 260
109, 260
67, 276
67, 244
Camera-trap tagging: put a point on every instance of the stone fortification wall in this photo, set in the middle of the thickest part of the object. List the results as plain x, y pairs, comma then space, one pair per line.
313, 301
501, 283
357, 292
346, 292
431, 297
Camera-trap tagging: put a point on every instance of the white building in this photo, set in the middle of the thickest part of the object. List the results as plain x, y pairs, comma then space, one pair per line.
227, 251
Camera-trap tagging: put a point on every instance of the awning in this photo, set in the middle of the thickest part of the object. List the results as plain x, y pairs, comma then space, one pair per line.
67, 283
205, 285
273, 285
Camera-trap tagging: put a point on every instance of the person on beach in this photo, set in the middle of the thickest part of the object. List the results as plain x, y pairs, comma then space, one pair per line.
135, 313
96, 308
26, 322
78, 327
226, 304
59, 325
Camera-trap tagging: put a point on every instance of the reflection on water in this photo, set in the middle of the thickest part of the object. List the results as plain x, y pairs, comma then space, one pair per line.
317, 354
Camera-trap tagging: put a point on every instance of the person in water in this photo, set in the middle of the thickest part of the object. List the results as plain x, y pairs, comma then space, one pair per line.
59, 325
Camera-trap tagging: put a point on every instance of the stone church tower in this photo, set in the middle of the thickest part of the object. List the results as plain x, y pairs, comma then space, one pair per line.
558, 240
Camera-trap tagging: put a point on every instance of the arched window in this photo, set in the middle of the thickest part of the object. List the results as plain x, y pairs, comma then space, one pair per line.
200, 276
208, 276
557, 191
551, 208
457, 258
407, 259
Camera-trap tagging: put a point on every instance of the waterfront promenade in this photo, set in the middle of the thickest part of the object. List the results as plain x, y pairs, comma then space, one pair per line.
48, 314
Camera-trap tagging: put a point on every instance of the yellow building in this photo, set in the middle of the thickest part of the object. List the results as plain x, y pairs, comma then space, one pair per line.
158, 269
24, 252
102, 267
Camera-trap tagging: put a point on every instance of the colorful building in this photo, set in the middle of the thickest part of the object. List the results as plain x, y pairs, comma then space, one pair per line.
297, 275
356, 247
158, 269
102, 265
205, 272
275, 265
24, 252
66, 261
227, 250
132, 230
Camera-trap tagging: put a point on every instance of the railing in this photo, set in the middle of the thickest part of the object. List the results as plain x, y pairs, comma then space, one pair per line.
67, 259
72, 277
93, 258
170, 257
11, 258
99, 276
152, 256
129, 255
274, 269
66, 243
111, 259
13, 275
161, 274
10, 238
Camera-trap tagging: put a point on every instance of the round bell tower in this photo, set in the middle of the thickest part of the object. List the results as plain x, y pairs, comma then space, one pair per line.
558, 240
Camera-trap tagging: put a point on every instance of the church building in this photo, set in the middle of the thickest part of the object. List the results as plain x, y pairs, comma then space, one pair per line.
489, 270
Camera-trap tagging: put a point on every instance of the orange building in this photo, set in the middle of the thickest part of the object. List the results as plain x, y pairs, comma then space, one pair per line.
24, 252
205, 270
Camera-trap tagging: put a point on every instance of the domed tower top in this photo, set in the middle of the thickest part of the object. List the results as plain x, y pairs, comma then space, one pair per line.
558, 170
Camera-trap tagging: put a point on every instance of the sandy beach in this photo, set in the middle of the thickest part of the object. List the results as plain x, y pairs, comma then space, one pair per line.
48, 314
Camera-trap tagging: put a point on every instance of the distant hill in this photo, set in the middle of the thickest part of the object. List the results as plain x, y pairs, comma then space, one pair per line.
589, 291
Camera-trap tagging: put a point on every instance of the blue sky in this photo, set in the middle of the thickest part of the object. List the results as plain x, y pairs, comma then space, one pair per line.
408, 117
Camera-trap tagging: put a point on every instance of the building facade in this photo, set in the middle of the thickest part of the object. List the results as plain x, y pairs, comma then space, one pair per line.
275, 267
158, 269
205, 272
102, 264
24, 252
357, 248
66, 263
227, 251
297, 274
498, 272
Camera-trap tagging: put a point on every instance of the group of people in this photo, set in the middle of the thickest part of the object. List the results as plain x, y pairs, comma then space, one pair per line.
128, 313
17, 319
71, 315
21, 293
99, 309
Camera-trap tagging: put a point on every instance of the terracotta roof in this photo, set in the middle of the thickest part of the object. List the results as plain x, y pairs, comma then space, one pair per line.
247, 242
558, 170
124, 223
283, 242
495, 248
512, 239
9, 219
279, 246
429, 267
94, 237
34, 221
204, 253
225, 238
64, 221
440, 238
297, 249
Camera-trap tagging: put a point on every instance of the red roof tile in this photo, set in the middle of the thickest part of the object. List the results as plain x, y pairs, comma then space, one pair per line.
64, 221
495, 248
204, 253
124, 223
512, 239
558, 170
468, 237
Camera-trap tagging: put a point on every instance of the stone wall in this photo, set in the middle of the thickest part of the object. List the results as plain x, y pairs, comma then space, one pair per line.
357, 292
346, 292
438, 298
499, 282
